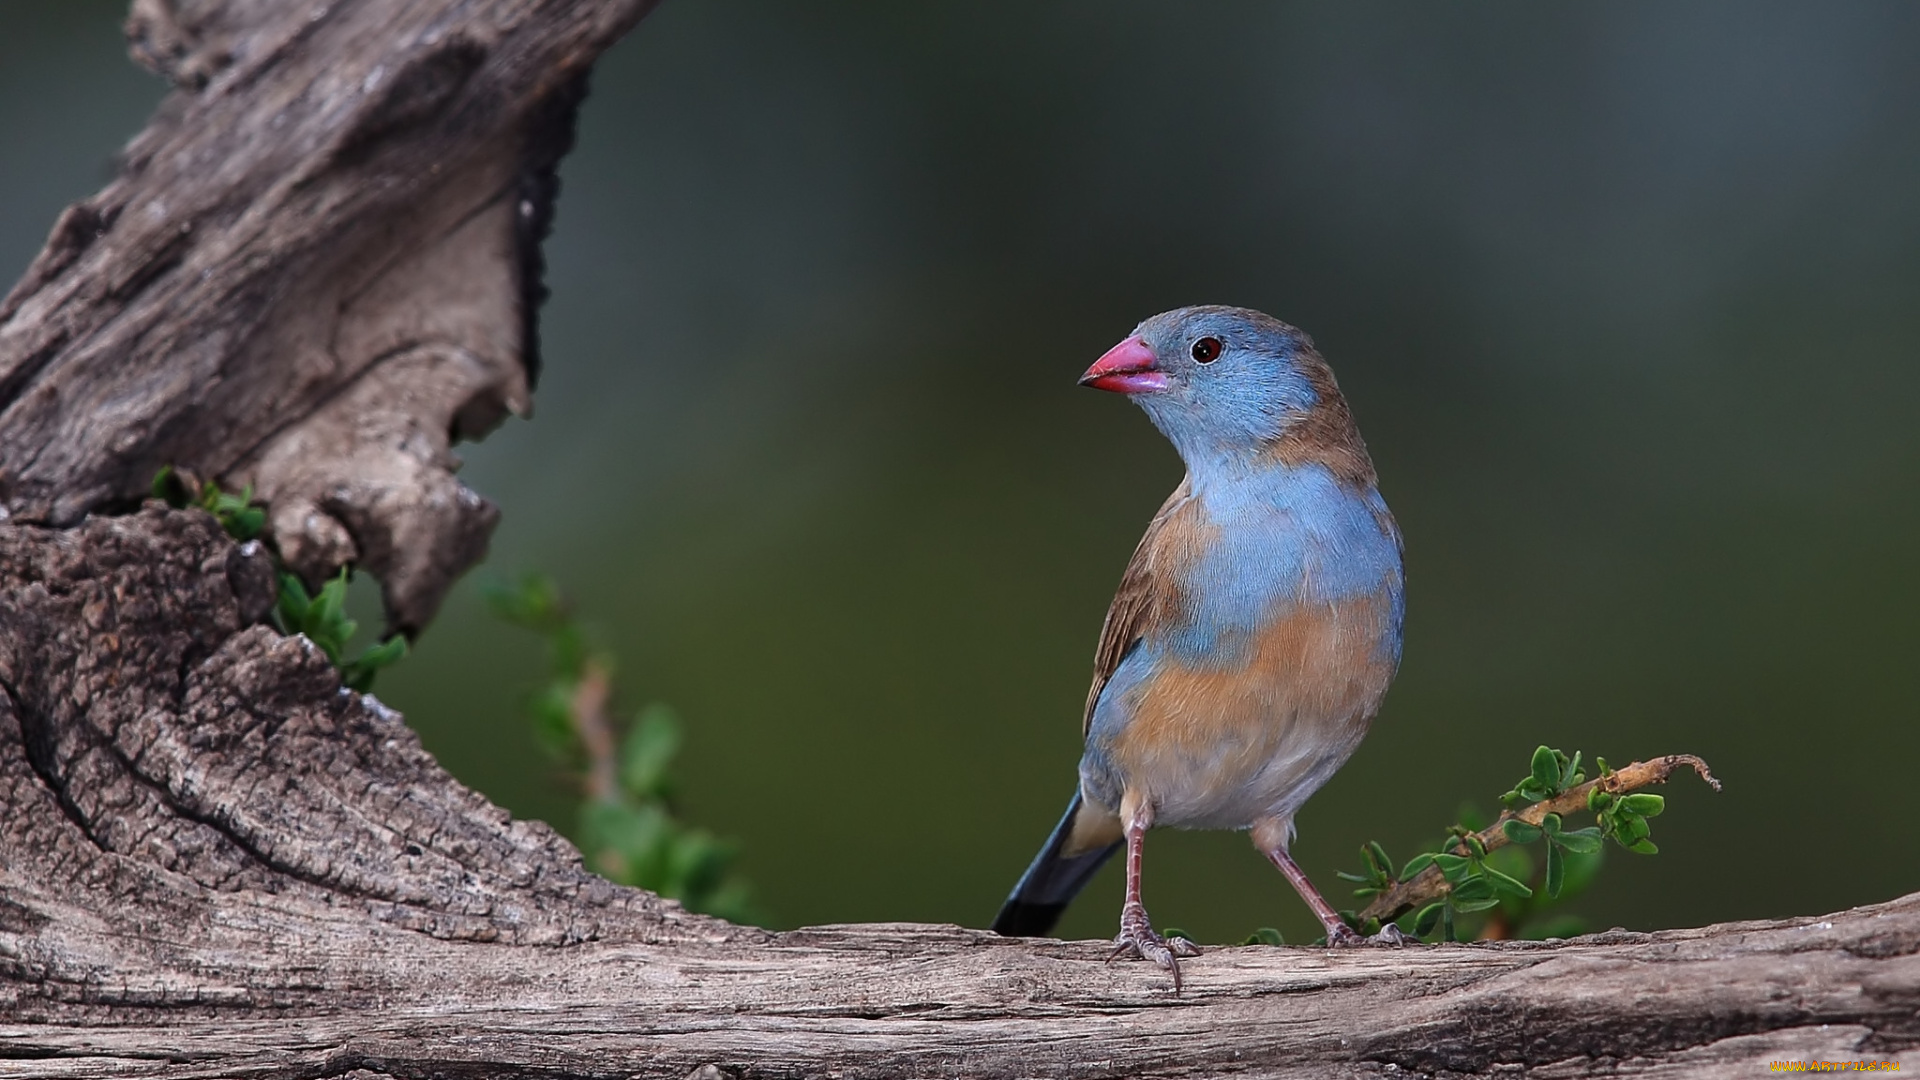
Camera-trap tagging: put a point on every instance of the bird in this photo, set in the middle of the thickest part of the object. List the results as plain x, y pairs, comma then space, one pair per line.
1254, 632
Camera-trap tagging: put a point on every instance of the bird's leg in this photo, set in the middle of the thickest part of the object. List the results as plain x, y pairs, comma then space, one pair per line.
1137, 936
1338, 932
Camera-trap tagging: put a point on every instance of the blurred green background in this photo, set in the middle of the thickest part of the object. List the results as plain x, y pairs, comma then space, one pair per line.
1625, 296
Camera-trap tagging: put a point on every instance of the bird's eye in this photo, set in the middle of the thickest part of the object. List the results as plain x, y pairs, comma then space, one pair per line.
1206, 350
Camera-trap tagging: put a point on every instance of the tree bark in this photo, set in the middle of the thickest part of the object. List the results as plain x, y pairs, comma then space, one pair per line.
318, 271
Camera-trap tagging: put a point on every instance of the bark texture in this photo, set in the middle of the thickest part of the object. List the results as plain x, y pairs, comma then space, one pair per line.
319, 270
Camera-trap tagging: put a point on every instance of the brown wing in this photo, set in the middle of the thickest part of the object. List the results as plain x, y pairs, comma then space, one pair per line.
1144, 589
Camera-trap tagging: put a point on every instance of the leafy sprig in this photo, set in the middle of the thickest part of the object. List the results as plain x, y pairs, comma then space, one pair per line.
627, 827
1548, 774
322, 617
237, 514
1481, 868
1624, 818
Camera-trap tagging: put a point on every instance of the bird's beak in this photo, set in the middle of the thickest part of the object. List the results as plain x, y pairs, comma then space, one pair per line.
1127, 368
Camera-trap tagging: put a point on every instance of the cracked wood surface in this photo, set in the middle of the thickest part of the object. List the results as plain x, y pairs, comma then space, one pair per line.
319, 270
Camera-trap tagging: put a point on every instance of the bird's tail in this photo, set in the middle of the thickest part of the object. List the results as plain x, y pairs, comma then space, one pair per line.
1050, 884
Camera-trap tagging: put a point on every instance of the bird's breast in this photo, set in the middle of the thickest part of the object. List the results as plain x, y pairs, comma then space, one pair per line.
1282, 636
1222, 745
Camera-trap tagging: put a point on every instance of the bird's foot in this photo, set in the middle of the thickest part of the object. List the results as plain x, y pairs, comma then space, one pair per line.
1138, 939
1342, 936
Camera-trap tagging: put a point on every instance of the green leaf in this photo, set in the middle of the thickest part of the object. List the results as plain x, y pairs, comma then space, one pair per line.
1415, 865
170, 488
325, 621
359, 672
569, 652
648, 749
1556, 871
1571, 775
246, 523
387, 652
1454, 867
1520, 832
1467, 906
1378, 860
1266, 935
552, 713
1174, 932
1644, 804
697, 862
1644, 846
1429, 916
628, 843
292, 606
534, 602
1550, 825
1504, 884
1546, 768
1631, 829
1580, 841
1599, 799
1472, 890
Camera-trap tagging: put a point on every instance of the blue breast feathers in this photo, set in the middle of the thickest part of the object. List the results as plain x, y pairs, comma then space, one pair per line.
1283, 537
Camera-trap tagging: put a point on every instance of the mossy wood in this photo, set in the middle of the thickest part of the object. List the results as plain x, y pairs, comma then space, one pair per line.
316, 271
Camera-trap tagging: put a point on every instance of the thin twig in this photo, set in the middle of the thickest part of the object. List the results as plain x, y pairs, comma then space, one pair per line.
1430, 884
590, 721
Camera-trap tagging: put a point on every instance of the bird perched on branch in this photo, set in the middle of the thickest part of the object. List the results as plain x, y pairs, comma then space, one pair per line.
1254, 631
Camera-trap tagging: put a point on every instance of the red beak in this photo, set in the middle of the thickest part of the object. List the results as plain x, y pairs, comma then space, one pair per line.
1127, 368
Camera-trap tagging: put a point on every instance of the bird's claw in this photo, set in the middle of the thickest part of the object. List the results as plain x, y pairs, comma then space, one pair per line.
1138, 939
1342, 936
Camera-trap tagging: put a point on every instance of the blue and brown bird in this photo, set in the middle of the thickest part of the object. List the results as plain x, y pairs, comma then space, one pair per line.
1255, 630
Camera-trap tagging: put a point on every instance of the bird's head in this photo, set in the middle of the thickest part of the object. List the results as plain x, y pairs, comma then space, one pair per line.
1220, 381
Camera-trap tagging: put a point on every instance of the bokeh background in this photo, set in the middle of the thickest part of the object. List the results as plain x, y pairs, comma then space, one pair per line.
1626, 298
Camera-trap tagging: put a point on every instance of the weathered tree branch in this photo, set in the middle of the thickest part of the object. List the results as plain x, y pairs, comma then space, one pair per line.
220, 863
318, 269
317, 272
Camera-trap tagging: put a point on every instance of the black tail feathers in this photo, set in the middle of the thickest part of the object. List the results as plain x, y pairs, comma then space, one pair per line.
1051, 883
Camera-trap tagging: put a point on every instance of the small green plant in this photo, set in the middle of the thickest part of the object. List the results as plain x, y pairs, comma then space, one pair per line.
236, 513
1484, 870
628, 828
322, 617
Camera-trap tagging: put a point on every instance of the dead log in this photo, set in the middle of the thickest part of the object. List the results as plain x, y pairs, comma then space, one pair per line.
319, 270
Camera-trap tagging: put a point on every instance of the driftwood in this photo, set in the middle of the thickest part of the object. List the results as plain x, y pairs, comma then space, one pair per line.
319, 270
